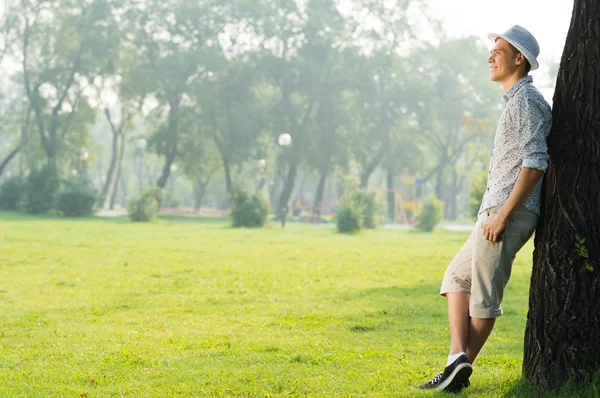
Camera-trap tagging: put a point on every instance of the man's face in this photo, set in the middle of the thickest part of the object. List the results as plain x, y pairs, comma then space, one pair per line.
503, 61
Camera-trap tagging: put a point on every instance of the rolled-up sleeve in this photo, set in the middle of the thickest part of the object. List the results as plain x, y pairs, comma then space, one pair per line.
536, 122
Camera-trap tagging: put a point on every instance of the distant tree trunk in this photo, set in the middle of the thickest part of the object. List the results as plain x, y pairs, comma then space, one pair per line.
172, 139
116, 131
451, 202
228, 180
372, 165
8, 158
562, 338
288, 185
318, 204
440, 185
113, 197
226, 166
339, 189
391, 195
200, 190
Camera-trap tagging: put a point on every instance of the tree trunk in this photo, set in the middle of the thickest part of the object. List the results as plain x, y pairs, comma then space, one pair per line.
200, 191
340, 190
370, 168
439, 185
451, 202
561, 338
288, 186
111, 169
113, 156
172, 141
8, 158
318, 203
391, 195
113, 197
228, 180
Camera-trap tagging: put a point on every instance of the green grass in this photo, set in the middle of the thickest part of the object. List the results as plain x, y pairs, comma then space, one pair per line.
191, 307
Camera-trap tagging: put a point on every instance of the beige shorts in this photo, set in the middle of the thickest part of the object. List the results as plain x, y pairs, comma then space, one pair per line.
482, 268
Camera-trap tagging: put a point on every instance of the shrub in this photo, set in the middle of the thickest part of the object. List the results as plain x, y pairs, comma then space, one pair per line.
350, 215
431, 215
358, 210
76, 197
40, 189
476, 192
248, 210
144, 207
370, 206
11, 193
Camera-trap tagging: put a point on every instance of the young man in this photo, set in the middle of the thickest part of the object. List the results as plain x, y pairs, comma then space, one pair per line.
474, 281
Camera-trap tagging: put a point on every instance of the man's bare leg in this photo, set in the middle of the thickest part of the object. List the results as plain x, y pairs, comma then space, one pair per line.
468, 334
479, 331
458, 317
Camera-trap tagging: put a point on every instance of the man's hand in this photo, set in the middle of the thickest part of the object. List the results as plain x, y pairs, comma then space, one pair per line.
494, 227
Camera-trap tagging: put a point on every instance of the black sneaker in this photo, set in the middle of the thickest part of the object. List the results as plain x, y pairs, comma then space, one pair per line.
453, 379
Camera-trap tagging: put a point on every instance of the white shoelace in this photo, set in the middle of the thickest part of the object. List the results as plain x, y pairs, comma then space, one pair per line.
436, 379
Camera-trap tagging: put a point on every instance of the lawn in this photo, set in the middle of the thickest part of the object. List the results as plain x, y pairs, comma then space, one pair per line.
184, 307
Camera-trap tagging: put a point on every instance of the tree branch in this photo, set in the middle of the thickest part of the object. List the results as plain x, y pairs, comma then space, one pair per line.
33, 99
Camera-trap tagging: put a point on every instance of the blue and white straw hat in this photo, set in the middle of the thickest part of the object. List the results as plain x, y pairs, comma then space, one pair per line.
523, 41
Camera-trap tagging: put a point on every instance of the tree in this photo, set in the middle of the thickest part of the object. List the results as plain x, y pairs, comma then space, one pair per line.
175, 44
460, 104
65, 44
198, 156
561, 338
230, 112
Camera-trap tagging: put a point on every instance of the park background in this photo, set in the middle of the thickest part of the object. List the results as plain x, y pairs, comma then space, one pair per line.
296, 103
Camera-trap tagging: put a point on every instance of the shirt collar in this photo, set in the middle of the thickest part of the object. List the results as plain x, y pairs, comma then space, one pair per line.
517, 86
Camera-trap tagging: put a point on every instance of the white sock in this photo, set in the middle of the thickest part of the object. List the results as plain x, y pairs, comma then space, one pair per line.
452, 358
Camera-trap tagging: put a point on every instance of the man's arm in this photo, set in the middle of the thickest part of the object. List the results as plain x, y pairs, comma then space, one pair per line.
496, 224
536, 121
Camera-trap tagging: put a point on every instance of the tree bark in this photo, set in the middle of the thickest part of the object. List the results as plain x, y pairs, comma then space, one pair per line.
391, 196
113, 157
200, 190
8, 158
370, 168
561, 338
318, 203
451, 202
113, 197
172, 140
288, 185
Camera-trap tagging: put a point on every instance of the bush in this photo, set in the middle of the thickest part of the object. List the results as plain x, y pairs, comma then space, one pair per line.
40, 189
350, 215
248, 210
431, 215
144, 207
476, 192
11, 193
76, 197
370, 207
358, 210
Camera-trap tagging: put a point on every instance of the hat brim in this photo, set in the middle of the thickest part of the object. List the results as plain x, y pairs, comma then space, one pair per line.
532, 61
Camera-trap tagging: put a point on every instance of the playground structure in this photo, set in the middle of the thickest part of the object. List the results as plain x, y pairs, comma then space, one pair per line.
407, 201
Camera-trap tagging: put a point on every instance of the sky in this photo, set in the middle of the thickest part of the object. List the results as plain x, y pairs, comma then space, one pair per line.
547, 20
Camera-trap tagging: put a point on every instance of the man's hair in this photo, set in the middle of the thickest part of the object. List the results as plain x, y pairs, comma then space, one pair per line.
527, 64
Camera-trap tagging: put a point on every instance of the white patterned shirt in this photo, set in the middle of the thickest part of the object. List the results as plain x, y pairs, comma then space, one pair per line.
520, 141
